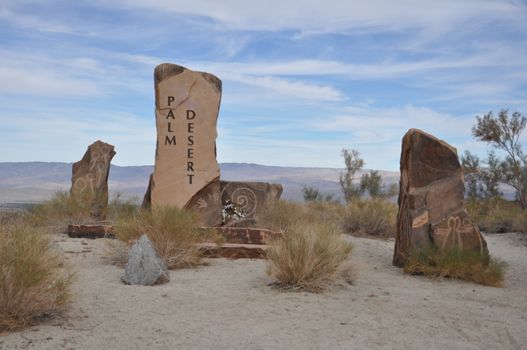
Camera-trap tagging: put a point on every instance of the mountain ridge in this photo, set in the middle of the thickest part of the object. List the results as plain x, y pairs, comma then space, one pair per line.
29, 182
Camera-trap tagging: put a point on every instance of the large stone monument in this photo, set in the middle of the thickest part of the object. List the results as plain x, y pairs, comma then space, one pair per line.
186, 173
431, 199
251, 198
89, 180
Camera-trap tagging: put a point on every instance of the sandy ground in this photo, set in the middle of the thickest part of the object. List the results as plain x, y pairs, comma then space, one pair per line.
230, 305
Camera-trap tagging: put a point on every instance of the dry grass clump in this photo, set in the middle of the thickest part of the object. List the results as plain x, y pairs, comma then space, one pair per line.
119, 209
33, 283
454, 263
497, 215
63, 209
281, 215
374, 216
174, 233
60, 211
308, 257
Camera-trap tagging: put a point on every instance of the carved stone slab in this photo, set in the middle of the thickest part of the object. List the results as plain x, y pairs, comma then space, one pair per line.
246, 235
186, 173
250, 197
89, 180
90, 231
233, 251
431, 206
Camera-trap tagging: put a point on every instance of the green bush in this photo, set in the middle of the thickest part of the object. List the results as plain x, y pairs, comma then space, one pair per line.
33, 283
454, 263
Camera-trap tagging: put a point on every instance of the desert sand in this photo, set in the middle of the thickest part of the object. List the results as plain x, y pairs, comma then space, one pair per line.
231, 305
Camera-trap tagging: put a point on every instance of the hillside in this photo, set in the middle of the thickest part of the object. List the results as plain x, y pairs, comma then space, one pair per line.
29, 182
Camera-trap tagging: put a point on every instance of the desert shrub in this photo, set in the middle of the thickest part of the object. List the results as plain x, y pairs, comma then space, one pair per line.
454, 263
307, 257
174, 233
10, 216
119, 209
375, 216
281, 215
520, 222
33, 283
496, 215
60, 211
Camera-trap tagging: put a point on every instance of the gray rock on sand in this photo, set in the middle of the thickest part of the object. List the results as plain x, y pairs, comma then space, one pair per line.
144, 266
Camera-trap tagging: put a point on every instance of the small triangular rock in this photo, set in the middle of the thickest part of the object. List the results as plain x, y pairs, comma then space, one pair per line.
144, 266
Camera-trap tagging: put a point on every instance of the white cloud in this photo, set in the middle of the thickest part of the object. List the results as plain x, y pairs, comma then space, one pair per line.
338, 15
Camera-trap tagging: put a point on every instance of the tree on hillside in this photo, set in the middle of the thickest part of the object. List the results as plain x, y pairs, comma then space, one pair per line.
353, 163
482, 182
313, 194
503, 133
372, 184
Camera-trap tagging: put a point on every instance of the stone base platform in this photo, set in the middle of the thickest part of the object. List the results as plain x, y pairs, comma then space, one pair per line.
233, 251
245, 235
240, 243
91, 231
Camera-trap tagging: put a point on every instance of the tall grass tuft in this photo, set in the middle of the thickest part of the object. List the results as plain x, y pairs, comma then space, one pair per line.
33, 283
375, 216
454, 263
60, 211
307, 257
174, 233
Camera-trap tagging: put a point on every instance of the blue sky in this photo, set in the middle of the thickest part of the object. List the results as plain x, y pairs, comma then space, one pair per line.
301, 79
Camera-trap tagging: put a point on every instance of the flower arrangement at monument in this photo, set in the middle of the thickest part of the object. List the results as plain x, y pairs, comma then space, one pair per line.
231, 212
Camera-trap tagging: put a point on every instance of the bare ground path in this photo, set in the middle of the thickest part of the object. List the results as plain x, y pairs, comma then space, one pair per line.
229, 305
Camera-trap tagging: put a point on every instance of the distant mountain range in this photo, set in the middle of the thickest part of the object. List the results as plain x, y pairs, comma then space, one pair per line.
31, 182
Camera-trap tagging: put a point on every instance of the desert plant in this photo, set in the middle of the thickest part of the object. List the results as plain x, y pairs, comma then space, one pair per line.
174, 233
376, 216
60, 211
520, 222
281, 215
33, 283
313, 194
495, 215
307, 257
353, 163
455, 263
119, 209
503, 133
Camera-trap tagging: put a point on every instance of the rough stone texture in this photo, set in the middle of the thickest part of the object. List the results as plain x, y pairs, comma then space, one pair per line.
251, 197
233, 251
89, 180
431, 199
90, 231
186, 173
245, 235
144, 266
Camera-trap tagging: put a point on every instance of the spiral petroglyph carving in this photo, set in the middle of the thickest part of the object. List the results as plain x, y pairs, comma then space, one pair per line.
244, 198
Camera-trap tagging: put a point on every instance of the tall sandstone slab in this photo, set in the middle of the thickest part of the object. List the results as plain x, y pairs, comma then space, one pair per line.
186, 173
431, 199
89, 180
